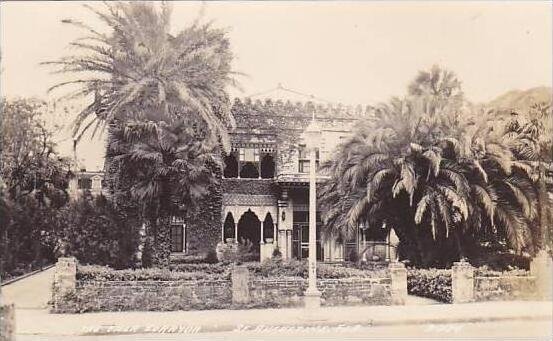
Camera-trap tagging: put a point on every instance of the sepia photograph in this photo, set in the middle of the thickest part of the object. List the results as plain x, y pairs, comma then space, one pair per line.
276, 170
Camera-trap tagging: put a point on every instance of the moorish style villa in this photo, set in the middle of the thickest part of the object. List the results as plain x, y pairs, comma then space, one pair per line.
265, 182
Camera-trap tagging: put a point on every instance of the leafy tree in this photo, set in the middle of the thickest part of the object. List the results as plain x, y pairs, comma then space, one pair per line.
33, 184
532, 133
144, 83
91, 230
139, 71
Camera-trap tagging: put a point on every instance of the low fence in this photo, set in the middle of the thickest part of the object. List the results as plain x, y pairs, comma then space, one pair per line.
289, 292
504, 288
240, 291
464, 283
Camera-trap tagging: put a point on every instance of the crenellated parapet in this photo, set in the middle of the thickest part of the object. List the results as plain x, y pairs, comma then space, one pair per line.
279, 114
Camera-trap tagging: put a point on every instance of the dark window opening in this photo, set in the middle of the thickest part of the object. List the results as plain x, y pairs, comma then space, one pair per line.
267, 167
303, 159
177, 238
249, 171
268, 227
85, 183
231, 166
229, 227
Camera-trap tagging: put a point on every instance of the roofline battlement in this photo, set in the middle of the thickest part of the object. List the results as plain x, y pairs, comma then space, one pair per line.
300, 109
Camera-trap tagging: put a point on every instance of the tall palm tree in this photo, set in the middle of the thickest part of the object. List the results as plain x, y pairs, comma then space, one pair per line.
433, 173
145, 85
171, 170
139, 71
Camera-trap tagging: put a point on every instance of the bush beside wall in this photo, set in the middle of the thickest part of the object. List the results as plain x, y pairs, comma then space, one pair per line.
209, 286
430, 283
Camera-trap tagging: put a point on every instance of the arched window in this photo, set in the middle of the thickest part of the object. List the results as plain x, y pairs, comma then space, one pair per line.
249, 171
231, 166
267, 166
228, 227
268, 227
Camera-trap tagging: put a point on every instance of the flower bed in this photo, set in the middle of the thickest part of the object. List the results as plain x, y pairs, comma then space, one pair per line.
431, 283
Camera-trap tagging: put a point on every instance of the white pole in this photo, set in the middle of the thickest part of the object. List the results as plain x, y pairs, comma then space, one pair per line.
312, 294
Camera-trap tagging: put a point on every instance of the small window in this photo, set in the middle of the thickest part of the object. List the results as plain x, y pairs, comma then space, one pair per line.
177, 238
303, 159
85, 183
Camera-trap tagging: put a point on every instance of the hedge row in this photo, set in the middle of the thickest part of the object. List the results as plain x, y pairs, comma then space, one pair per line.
269, 268
485, 271
277, 267
431, 283
105, 273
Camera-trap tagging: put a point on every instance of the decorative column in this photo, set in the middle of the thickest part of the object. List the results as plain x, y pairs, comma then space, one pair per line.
284, 225
262, 239
541, 268
312, 294
462, 282
235, 226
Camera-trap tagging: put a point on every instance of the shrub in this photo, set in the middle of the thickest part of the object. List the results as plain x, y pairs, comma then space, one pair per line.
211, 257
277, 267
105, 273
242, 251
485, 271
187, 259
431, 283
94, 232
277, 253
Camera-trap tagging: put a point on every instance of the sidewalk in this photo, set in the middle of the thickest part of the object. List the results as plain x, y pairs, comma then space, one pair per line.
39, 322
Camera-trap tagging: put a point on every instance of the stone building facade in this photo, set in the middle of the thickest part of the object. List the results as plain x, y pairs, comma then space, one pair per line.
266, 179
263, 193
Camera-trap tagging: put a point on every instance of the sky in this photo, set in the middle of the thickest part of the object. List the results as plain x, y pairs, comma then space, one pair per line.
359, 52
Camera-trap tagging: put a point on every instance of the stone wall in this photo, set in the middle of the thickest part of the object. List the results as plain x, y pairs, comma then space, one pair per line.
7, 323
468, 285
289, 292
240, 291
504, 288
154, 295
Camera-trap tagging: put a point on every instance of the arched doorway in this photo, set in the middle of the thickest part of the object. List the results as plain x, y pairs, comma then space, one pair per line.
249, 229
228, 227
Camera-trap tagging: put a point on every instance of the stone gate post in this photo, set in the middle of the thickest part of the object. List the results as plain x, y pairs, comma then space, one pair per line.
240, 278
7, 319
541, 268
462, 282
398, 288
65, 278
